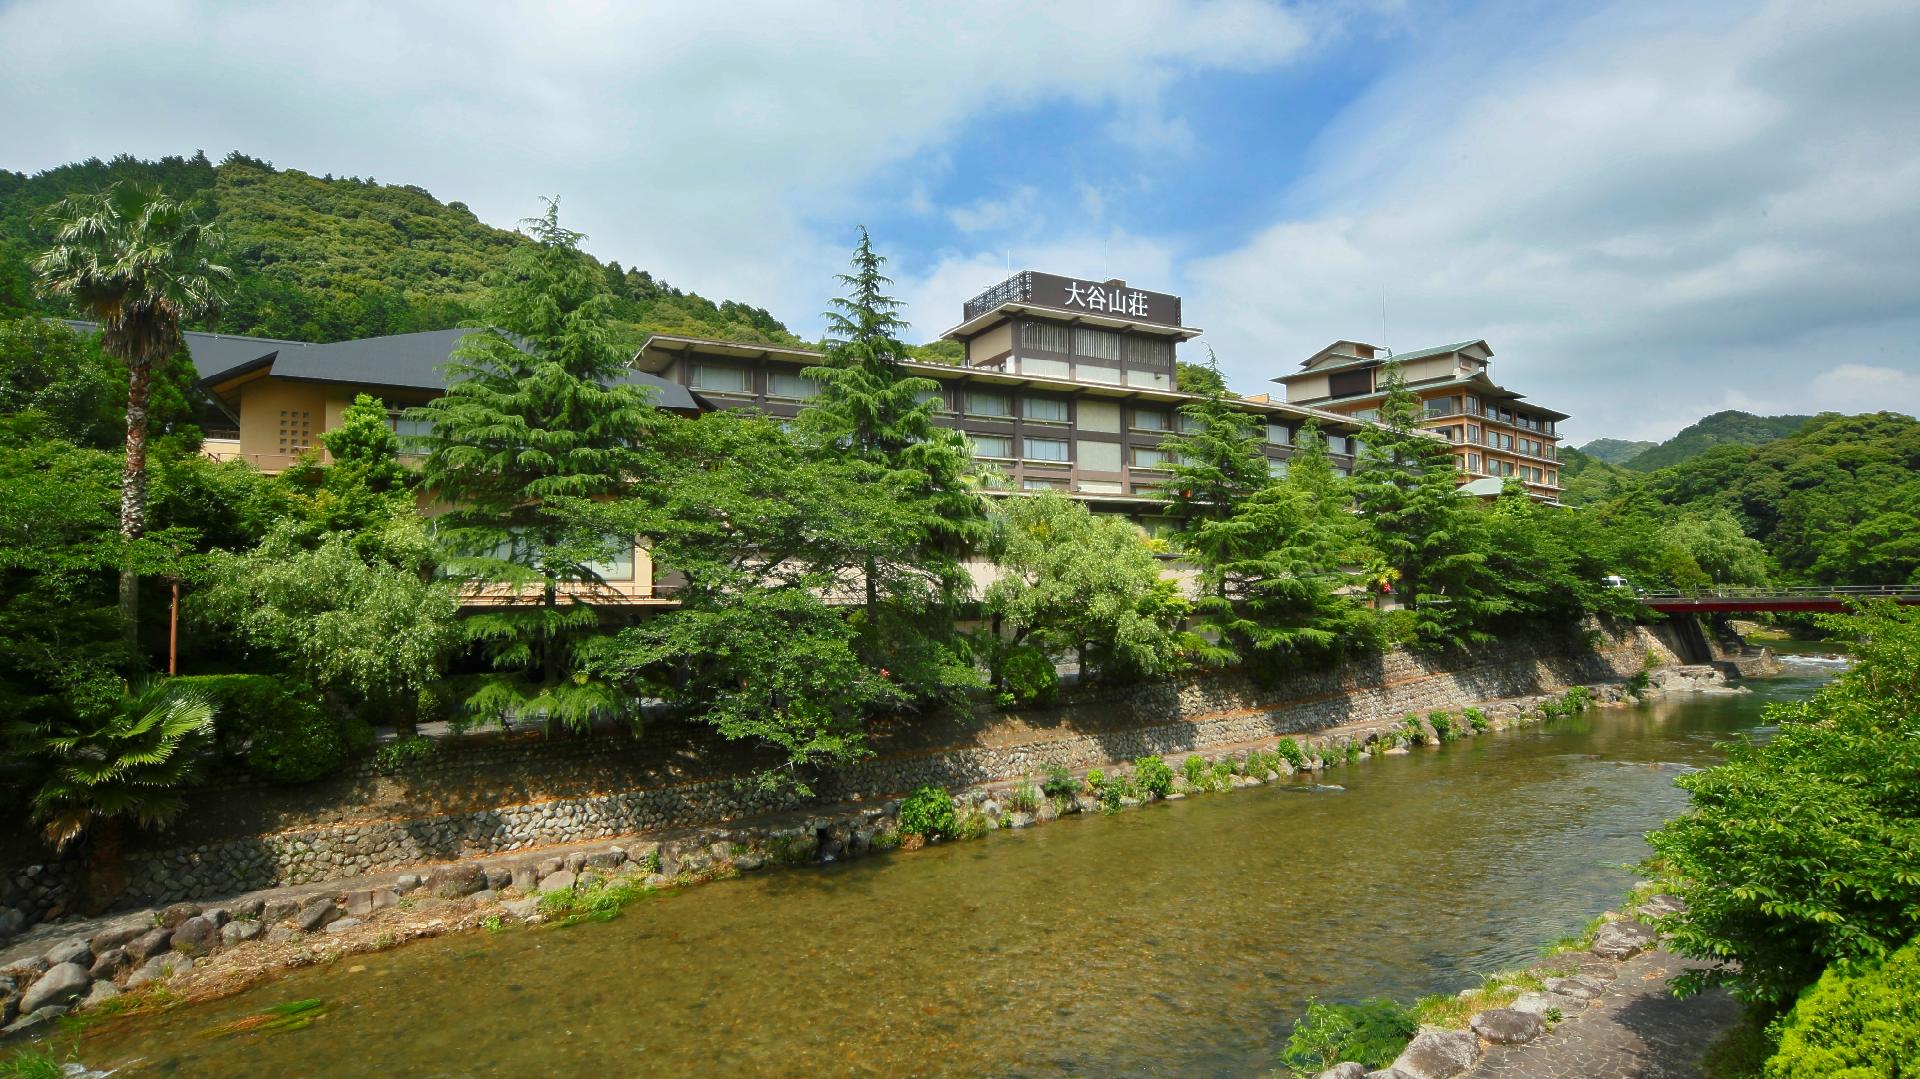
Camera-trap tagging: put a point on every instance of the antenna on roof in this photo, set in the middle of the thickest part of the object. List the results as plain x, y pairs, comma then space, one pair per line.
1383, 320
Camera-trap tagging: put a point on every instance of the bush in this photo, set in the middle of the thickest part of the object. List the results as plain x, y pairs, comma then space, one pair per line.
928, 813
1411, 731
404, 752
1800, 851
1059, 782
1371, 1032
1197, 771
1443, 726
1028, 676
1109, 790
1151, 777
1289, 751
277, 728
1476, 719
1025, 798
1857, 1022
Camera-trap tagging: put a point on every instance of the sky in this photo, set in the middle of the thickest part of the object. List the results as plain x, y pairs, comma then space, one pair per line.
1651, 211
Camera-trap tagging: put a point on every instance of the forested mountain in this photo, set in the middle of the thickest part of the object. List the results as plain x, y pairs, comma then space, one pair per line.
1615, 451
325, 258
1730, 428
1835, 502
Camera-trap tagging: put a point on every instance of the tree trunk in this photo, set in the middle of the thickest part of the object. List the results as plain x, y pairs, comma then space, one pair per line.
549, 653
133, 492
106, 866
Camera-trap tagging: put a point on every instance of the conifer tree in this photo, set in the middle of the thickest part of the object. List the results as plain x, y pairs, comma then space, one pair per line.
872, 410
1423, 530
1217, 464
537, 414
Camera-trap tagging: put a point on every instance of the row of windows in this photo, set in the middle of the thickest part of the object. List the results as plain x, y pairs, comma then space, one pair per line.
1097, 344
1476, 466
1055, 450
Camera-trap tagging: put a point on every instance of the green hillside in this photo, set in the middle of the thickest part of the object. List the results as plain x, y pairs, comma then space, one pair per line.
1720, 429
1615, 451
325, 258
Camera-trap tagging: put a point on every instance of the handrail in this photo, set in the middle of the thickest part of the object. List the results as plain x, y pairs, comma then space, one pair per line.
1900, 591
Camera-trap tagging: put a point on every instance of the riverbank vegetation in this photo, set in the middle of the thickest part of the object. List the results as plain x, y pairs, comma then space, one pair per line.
818, 565
1797, 862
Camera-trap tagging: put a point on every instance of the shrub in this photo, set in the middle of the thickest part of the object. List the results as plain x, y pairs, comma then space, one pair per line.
1443, 726
1411, 731
1371, 1032
277, 728
1859, 1021
973, 827
1111, 791
1025, 798
300, 746
1028, 676
1059, 782
1289, 751
928, 813
1151, 776
1800, 851
597, 902
1197, 771
1476, 719
404, 752
1577, 699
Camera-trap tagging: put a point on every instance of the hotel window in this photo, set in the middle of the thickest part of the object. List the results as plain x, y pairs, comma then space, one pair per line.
406, 428
1097, 344
1473, 405
1442, 406
996, 446
717, 379
1473, 463
617, 568
1368, 414
1276, 467
1046, 449
1553, 479
1337, 444
1186, 424
1279, 434
1150, 419
296, 430
939, 400
1046, 410
1359, 447
1150, 457
1046, 336
982, 403
1148, 351
1342, 470
1042, 485
790, 384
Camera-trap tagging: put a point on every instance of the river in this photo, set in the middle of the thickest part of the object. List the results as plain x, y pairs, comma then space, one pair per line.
1181, 939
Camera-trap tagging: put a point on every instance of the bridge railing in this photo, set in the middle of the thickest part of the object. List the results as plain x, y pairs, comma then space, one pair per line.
1849, 591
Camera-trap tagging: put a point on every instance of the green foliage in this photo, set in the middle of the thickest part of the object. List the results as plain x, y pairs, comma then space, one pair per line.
1109, 791
1731, 428
1371, 1032
298, 745
1059, 782
1152, 778
1029, 676
31, 1063
1476, 719
1077, 582
66, 379
1857, 1022
1200, 378
1442, 723
128, 762
537, 416
927, 812
1613, 451
1800, 852
404, 752
1289, 751
599, 901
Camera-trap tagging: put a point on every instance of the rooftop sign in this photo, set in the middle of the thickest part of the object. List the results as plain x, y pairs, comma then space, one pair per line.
1111, 299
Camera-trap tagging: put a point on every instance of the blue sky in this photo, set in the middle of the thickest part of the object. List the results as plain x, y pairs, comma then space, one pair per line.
1651, 210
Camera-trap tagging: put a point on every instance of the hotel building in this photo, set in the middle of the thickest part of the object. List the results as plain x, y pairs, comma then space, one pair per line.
1494, 434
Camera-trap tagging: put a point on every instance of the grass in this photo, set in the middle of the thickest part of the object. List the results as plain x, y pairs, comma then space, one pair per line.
1578, 942
1496, 991
31, 1064
293, 1015
597, 902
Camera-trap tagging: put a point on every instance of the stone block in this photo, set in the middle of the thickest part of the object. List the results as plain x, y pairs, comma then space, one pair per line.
61, 984
1508, 1026
498, 877
1623, 940
315, 913
110, 963
69, 951
525, 879
279, 910
177, 913
342, 925
1438, 1054
196, 936
562, 881
456, 880
1576, 985
149, 944
607, 859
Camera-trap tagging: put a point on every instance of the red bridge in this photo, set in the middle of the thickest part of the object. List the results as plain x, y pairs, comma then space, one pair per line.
1813, 598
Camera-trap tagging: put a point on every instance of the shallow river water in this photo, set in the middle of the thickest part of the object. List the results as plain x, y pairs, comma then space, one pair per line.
1181, 939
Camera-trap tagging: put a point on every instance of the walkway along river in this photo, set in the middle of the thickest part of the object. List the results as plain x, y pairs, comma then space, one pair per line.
1181, 939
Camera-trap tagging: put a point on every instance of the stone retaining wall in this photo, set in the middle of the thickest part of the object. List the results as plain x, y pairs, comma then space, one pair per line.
488, 796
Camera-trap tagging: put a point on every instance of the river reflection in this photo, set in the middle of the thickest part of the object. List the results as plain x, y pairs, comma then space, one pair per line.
1181, 939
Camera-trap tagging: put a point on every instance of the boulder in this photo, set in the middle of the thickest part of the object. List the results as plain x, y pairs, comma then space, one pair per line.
280, 934
525, 879
239, 932
149, 944
108, 939
158, 969
406, 882
196, 936
69, 951
279, 910
30, 965
38, 1019
177, 913
1575, 985
110, 963
1660, 906
343, 925
484, 895
359, 902
1623, 940
557, 882
219, 916
99, 993
317, 912
1542, 1003
548, 867
62, 984
522, 908
1508, 1026
1349, 1070
607, 859
498, 877
11, 922
575, 861
249, 908
1438, 1054
456, 880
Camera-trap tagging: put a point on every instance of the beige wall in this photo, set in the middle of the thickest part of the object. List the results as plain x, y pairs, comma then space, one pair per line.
271, 408
1306, 387
1099, 416
1428, 367
1097, 456
990, 344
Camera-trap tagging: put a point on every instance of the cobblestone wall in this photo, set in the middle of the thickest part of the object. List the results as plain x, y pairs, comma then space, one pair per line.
492, 795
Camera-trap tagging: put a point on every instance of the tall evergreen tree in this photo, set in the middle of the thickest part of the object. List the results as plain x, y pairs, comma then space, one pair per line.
537, 412
872, 410
141, 263
1423, 530
1217, 465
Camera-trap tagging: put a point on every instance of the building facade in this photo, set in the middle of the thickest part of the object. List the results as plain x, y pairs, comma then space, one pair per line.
1496, 434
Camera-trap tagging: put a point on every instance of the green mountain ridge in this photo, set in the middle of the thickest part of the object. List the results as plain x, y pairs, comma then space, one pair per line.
1729, 428
325, 258
1615, 451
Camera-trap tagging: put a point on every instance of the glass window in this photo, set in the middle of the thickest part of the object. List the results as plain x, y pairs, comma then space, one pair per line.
1337, 444
998, 446
1098, 344
1147, 351
617, 568
1048, 336
1187, 424
1473, 462
719, 379
1042, 485
939, 401
1276, 467
1047, 409
1279, 434
407, 428
790, 384
1149, 419
1359, 447
1046, 449
1150, 457
986, 403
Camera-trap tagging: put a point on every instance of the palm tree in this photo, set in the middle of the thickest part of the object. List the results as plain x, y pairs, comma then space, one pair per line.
139, 262
126, 763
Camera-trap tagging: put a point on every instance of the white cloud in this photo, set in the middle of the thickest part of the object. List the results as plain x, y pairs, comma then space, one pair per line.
1016, 207
1662, 207
707, 142
934, 295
